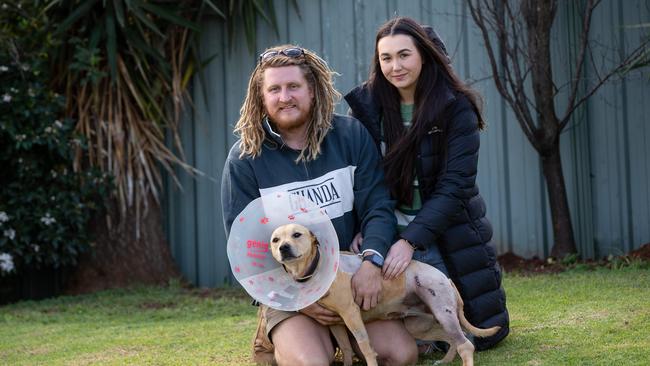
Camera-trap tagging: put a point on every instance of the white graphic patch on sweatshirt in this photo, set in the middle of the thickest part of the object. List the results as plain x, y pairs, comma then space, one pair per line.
332, 191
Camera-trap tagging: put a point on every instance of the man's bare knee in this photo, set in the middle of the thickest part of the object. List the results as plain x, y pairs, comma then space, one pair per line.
301, 341
303, 359
398, 358
313, 355
402, 354
392, 342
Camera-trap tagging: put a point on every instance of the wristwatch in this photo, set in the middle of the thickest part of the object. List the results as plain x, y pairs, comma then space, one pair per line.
375, 259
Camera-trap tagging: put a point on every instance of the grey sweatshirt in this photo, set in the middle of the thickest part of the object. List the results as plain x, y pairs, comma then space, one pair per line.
346, 180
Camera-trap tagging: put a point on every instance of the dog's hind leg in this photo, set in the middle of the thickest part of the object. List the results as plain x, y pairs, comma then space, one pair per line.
466, 352
451, 353
425, 327
441, 300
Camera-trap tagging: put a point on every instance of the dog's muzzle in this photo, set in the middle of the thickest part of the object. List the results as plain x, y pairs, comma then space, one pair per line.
285, 251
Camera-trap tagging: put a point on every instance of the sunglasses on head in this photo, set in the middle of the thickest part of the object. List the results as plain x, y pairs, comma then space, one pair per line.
293, 52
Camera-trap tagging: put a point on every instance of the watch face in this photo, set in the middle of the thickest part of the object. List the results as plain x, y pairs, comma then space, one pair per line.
375, 259
378, 260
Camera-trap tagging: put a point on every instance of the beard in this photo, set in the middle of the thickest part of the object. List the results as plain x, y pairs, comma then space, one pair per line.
290, 122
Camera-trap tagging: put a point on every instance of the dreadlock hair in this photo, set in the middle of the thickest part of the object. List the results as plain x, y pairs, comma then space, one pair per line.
252, 113
435, 80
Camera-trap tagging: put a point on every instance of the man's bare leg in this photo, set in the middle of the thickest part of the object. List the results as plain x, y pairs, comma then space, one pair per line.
392, 342
302, 341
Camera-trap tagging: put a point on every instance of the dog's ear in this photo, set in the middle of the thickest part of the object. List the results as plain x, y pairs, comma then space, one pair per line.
314, 239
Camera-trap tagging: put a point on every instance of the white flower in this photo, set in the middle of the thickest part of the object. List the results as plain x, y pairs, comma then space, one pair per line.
25, 67
3, 217
10, 233
21, 138
58, 124
36, 248
6, 262
48, 129
30, 92
3, 68
54, 175
47, 219
6, 98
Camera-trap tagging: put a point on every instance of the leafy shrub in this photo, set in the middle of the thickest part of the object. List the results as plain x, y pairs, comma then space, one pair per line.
44, 204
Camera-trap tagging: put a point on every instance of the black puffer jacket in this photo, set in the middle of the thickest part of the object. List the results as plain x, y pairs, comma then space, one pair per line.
453, 212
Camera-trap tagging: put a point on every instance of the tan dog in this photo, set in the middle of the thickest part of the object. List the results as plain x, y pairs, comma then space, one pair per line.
427, 300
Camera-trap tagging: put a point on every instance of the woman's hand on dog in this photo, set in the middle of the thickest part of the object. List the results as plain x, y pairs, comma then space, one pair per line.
398, 258
320, 314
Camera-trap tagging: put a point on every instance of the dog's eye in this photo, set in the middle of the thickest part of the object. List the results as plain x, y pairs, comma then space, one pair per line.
297, 235
275, 240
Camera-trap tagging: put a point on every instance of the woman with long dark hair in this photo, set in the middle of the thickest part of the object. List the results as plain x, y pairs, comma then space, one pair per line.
426, 123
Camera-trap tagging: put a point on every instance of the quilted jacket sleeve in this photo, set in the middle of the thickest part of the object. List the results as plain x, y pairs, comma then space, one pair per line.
456, 180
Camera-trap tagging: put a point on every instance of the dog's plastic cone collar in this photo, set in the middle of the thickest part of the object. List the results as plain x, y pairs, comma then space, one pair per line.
251, 261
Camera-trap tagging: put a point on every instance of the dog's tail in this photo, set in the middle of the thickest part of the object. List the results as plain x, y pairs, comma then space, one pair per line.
479, 332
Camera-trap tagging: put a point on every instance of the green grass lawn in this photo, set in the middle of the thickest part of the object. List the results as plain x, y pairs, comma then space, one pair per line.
579, 317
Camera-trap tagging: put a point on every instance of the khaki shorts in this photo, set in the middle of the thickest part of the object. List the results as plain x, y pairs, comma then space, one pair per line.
274, 317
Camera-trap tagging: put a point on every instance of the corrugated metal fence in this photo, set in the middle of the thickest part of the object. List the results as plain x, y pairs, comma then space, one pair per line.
605, 148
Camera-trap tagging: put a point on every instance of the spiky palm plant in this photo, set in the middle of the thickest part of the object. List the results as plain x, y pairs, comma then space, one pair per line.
124, 66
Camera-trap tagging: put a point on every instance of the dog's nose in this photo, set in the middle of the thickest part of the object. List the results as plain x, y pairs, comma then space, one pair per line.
285, 248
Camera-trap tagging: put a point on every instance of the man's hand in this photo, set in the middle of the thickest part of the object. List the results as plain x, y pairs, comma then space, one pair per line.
322, 315
366, 285
398, 258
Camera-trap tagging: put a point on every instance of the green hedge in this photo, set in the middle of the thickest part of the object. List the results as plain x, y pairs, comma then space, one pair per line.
45, 205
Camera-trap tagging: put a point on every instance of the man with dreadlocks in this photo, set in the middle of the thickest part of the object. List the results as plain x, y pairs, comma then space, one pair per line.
291, 140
